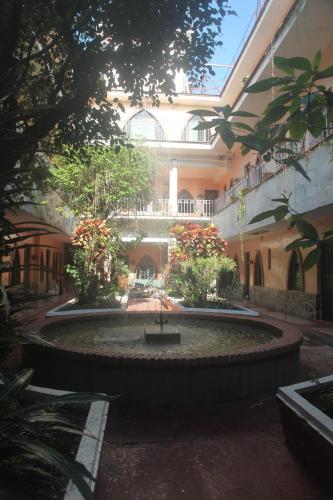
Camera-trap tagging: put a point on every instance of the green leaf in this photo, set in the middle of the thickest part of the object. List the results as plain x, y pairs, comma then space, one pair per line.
282, 99
244, 114
316, 122
267, 84
325, 73
227, 136
298, 167
262, 216
14, 387
297, 129
226, 110
274, 114
70, 468
242, 126
311, 259
306, 229
300, 63
316, 60
284, 199
301, 243
203, 112
282, 64
207, 125
280, 212
293, 245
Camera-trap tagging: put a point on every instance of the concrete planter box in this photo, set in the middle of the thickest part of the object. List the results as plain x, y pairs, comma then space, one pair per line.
90, 447
57, 312
308, 431
242, 311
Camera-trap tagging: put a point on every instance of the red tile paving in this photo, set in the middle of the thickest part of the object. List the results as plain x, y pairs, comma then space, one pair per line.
146, 304
231, 452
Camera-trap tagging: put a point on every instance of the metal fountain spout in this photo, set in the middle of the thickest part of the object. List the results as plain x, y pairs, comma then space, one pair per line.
161, 321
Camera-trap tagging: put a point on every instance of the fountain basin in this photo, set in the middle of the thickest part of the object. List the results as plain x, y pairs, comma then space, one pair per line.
172, 374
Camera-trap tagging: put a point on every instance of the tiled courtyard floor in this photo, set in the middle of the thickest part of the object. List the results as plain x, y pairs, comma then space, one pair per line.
231, 452
145, 304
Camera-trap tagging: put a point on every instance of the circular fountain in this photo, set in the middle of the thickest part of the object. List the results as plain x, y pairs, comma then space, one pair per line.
170, 359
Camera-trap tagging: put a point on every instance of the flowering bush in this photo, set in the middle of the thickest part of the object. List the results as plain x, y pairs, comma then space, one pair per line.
195, 240
197, 259
95, 247
92, 236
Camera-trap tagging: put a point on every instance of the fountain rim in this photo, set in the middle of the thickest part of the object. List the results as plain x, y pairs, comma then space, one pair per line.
290, 339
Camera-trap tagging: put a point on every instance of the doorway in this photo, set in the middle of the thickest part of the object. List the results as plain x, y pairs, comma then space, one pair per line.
327, 281
246, 288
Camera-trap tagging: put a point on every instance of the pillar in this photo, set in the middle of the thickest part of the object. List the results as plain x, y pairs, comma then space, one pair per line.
173, 187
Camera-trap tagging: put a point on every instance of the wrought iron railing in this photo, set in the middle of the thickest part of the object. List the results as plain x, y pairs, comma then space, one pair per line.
167, 208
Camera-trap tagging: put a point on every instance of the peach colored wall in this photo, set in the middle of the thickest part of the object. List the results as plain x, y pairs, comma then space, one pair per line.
157, 252
277, 276
34, 274
196, 187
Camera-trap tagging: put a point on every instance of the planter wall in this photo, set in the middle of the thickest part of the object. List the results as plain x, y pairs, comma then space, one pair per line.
308, 431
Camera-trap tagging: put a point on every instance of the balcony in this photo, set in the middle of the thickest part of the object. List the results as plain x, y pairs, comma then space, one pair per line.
166, 208
258, 194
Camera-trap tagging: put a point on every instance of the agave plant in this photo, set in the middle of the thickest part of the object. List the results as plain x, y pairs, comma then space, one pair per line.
25, 458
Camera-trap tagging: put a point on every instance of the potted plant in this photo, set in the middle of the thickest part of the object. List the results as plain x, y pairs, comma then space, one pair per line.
306, 411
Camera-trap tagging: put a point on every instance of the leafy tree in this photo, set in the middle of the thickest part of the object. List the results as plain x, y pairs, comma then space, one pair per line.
95, 179
59, 59
304, 105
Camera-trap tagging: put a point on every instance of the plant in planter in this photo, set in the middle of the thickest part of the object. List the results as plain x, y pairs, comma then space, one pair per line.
197, 258
96, 259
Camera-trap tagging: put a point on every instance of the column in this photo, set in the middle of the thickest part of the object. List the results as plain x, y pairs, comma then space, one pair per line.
173, 188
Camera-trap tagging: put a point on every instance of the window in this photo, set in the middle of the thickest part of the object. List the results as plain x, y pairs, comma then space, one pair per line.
295, 272
269, 258
258, 275
143, 125
192, 135
185, 203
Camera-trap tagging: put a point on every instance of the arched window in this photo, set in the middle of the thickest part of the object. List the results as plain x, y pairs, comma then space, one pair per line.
185, 203
258, 272
16, 269
146, 268
295, 272
144, 126
192, 135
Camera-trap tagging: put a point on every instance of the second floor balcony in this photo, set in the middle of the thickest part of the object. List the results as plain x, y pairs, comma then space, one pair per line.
166, 208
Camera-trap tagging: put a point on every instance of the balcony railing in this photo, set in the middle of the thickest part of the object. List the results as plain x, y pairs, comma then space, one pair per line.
166, 208
255, 176
259, 173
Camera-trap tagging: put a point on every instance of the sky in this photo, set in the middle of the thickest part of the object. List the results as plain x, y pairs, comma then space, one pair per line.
234, 29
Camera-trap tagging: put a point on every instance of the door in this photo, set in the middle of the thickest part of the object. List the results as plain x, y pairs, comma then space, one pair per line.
210, 196
246, 289
327, 282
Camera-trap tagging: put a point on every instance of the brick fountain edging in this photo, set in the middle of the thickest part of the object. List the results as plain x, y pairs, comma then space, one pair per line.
92, 369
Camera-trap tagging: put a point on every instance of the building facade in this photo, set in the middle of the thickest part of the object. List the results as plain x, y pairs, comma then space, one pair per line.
198, 179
